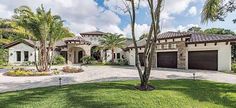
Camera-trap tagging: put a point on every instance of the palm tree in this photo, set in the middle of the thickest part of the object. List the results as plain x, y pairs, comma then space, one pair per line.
57, 32
216, 10
111, 41
43, 27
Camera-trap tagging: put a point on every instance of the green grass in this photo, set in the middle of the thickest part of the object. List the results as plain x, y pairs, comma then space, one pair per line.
168, 94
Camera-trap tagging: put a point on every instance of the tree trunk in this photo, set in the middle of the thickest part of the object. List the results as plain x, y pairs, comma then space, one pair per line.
137, 61
51, 58
113, 57
35, 56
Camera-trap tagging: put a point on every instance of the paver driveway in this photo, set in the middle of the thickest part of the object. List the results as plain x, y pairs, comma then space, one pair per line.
108, 73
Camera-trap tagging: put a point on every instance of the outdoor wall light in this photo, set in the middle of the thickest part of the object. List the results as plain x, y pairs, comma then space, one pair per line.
11, 54
31, 54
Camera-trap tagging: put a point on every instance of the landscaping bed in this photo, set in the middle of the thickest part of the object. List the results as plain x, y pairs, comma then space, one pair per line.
123, 94
24, 72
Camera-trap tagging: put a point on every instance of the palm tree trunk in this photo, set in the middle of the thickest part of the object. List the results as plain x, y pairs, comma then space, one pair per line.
51, 58
35, 56
113, 57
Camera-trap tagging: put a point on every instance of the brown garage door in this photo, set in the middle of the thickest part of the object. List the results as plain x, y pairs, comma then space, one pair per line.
167, 59
206, 60
141, 59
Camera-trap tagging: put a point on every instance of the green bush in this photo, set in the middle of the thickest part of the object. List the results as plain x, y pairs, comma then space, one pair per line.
56, 72
3, 56
122, 62
22, 72
233, 68
58, 60
88, 59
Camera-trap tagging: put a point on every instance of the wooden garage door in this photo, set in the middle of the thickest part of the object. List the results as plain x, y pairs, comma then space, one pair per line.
141, 59
206, 60
167, 59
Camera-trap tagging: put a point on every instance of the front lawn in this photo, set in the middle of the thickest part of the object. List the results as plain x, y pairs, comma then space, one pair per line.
168, 94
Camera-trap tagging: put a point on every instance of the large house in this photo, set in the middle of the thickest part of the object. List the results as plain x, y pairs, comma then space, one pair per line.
181, 50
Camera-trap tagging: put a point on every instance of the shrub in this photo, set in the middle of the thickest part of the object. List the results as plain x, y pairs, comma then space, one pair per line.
27, 63
88, 59
22, 72
68, 69
233, 68
58, 60
3, 56
56, 72
122, 62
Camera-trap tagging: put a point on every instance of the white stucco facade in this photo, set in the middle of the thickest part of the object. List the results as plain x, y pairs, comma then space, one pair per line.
223, 49
12, 59
224, 53
76, 48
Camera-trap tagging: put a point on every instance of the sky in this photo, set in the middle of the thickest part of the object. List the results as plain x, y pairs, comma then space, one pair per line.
108, 15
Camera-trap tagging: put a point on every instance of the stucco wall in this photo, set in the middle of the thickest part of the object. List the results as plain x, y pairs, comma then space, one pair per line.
20, 47
224, 53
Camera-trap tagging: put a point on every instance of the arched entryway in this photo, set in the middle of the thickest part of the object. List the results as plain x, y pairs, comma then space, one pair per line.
96, 53
79, 53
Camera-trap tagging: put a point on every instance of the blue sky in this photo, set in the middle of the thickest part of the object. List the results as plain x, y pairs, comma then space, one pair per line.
90, 15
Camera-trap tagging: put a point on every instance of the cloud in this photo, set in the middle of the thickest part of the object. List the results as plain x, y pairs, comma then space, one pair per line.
119, 7
192, 11
80, 15
179, 28
139, 30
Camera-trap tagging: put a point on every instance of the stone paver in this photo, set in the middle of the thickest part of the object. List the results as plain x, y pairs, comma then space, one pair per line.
107, 73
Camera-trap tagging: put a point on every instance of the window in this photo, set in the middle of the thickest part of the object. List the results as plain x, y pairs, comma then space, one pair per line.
118, 55
26, 55
173, 46
159, 47
166, 46
18, 56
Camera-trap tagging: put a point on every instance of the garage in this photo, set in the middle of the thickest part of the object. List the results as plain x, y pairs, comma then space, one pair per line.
205, 60
167, 59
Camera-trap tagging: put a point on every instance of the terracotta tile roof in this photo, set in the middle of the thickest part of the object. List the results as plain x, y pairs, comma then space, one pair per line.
200, 37
169, 35
93, 33
193, 38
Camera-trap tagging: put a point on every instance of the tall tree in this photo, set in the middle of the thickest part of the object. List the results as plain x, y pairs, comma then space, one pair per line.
112, 41
155, 10
221, 31
57, 32
195, 30
10, 31
217, 10
40, 25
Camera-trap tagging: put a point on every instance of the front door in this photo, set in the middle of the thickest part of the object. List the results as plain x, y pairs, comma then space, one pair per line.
80, 55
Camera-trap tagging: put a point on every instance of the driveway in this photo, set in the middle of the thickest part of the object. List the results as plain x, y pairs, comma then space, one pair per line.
108, 73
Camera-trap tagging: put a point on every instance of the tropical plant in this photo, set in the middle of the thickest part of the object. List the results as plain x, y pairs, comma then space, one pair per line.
88, 59
217, 10
111, 42
10, 31
57, 32
58, 60
3, 56
43, 27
